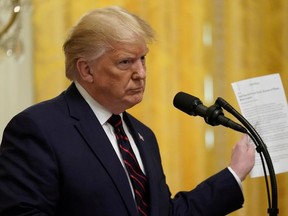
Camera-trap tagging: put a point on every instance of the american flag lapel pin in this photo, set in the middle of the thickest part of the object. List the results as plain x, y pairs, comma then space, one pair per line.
140, 137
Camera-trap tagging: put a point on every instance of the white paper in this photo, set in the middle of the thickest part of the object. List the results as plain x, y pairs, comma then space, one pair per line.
263, 103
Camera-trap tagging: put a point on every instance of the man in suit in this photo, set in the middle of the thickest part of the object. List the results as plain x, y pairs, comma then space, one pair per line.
61, 157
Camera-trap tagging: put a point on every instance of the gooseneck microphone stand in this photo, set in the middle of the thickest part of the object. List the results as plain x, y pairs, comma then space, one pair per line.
260, 148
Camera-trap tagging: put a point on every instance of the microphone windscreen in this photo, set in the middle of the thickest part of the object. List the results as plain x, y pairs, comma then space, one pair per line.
186, 102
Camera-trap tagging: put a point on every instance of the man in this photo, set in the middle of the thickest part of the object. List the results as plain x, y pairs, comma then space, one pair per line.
61, 157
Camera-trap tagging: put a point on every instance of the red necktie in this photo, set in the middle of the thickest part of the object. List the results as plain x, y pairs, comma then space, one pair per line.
138, 179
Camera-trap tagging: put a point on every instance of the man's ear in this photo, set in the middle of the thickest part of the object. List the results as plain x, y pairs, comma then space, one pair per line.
84, 70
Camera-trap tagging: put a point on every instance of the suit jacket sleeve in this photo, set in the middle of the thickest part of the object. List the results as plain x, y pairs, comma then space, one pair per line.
28, 178
216, 196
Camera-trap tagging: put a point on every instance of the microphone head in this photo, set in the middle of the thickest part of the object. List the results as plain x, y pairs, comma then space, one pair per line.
186, 103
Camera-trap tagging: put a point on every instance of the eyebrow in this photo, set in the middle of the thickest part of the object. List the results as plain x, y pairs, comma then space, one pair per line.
126, 54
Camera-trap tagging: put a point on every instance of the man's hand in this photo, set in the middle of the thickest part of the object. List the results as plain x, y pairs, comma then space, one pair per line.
243, 157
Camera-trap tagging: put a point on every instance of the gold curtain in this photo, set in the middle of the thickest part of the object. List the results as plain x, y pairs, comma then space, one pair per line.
201, 48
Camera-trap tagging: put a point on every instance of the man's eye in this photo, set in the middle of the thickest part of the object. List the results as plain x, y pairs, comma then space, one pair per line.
125, 61
125, 64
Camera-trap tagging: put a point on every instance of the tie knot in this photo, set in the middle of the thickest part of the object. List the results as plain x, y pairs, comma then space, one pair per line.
115, 120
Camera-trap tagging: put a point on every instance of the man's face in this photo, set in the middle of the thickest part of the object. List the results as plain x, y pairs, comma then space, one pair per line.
119, 76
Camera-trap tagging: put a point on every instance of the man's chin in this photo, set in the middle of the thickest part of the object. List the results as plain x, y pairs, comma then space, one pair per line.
135, 100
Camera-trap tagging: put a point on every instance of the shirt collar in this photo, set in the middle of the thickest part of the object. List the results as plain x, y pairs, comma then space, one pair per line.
101, 112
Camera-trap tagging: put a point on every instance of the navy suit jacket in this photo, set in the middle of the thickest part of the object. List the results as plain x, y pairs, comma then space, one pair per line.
56, 160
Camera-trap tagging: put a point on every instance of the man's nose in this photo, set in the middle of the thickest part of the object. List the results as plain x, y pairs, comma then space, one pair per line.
139, 69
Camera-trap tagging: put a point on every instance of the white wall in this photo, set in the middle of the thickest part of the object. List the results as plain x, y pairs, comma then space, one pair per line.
16, 76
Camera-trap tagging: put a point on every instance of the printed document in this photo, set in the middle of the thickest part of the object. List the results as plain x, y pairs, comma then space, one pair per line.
263, 103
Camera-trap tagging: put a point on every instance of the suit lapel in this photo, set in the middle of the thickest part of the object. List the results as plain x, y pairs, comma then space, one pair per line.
92, 132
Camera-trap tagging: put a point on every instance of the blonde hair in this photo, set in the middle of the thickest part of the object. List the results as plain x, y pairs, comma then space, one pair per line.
92, 36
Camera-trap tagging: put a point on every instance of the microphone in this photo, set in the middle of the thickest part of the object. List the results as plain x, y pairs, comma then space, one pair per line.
213, 115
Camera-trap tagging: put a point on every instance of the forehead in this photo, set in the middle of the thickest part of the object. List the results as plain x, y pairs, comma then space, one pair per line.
128, 49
